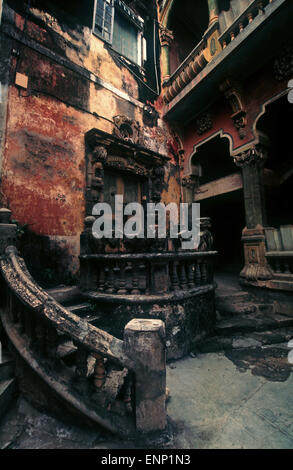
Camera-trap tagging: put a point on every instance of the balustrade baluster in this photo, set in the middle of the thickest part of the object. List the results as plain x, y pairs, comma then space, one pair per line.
122, 281
197, 274
29, 325
81, 367
40, 336
190, 275
101, 286
109, 279
286, 268
278, 266
128, 395
204, 274
116, 277
135, 289
182, 275
174, 276
142, 269
52, 342
99, 371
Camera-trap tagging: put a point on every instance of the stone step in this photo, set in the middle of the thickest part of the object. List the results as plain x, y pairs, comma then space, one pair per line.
233, 297
81, 309
65, 294
261, 339
251, 323
228, 309
8, 390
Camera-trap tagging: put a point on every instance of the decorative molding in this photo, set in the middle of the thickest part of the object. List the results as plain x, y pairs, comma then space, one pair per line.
204, 123
127, 129
99, 154
166, 36
233, 94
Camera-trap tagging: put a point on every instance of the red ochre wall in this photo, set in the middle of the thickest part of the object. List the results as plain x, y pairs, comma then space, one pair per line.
43, 167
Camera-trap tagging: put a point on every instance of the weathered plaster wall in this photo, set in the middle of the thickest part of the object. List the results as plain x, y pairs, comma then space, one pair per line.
43, 175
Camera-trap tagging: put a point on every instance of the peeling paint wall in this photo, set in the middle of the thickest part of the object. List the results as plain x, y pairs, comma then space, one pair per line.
75, 83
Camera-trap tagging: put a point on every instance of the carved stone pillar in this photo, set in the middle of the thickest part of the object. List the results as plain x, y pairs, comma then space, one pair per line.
166, 37
189, 184
251, 162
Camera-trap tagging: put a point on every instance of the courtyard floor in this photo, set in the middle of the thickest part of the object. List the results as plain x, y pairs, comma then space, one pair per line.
217, 401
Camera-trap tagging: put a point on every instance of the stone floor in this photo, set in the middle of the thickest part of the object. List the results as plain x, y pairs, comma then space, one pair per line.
241, 399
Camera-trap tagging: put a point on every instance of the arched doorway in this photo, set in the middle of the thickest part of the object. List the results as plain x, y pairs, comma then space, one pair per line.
220, 194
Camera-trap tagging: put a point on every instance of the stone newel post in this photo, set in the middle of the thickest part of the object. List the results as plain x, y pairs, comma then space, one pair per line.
144, 343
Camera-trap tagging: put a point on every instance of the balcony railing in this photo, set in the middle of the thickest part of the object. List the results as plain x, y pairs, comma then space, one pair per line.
146, 274
235, 24
188, 69
231, 23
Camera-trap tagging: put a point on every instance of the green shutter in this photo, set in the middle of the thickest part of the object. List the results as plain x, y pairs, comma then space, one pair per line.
125, 37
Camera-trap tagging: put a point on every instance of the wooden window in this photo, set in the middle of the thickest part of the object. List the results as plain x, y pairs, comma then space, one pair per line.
117, 24
104, 15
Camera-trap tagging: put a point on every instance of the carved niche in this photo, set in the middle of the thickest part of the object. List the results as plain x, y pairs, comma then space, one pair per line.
106, 151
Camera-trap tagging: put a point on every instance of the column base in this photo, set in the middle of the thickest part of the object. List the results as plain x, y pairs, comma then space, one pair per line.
256, 267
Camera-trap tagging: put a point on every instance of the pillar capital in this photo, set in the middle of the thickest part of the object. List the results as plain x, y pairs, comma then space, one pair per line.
253, 155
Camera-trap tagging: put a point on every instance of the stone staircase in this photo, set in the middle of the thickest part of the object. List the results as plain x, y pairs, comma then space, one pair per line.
8, 385
244, 321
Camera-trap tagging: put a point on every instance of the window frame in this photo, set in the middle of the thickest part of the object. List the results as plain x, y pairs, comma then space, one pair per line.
134, 20
100, 35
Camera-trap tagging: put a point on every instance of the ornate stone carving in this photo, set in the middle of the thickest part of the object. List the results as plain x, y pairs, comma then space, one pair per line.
203, 124
283, 66
189, 181
251, 156
126, 129
166, 36
206, 237
99, 154
233, 94
157, 183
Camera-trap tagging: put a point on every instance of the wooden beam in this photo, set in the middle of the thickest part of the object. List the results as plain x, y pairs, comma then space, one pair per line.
224, 185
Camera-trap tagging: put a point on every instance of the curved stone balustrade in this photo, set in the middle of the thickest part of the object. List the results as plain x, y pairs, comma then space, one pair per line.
117, 384
281, 262
146, 274
189, 68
